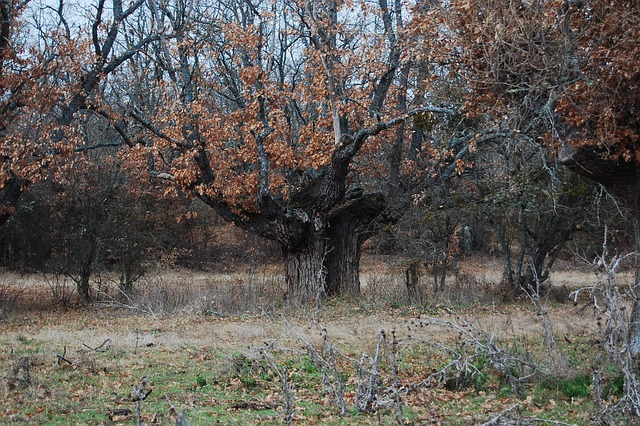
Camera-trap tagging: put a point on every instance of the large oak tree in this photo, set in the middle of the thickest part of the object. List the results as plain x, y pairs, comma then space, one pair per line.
277, 115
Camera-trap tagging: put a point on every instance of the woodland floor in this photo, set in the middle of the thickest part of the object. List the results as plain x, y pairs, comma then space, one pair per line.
78, 364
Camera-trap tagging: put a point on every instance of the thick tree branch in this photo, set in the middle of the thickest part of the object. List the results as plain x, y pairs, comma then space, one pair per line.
620, 177
153, 129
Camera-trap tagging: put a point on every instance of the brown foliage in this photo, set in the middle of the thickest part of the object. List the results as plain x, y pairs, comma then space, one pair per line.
604, 103
49, 77
562, 70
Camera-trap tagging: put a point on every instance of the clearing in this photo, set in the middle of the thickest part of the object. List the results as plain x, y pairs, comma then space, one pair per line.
375, 360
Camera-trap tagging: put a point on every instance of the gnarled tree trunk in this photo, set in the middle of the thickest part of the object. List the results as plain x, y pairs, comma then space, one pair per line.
305, 272
343, 259
350, 225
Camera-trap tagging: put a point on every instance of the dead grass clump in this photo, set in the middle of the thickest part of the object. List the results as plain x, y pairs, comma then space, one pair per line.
465, 289
20, 375
460, 290
160, 295
61, 287
220, 295
381, 291
236, 295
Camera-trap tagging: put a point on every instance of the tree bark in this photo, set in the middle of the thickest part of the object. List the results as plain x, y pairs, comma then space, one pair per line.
443, 270
550, 238
350, 225
305, 273
412, 281
343, 258
86, 269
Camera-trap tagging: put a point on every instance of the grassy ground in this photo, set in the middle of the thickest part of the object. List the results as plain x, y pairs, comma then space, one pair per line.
376, 360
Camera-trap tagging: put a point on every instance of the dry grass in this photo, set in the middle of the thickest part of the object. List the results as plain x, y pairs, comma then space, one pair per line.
260, 290
179, 308
181, 324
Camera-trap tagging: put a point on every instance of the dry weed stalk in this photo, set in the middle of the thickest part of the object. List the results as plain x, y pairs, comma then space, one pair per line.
331, 379
286, 387
393, 355
138, 394
368, 379
111, 302
515, 370
9, 293
513, 416
61, 289
611, 301
511, 412
180, 416
533, 292
369, 395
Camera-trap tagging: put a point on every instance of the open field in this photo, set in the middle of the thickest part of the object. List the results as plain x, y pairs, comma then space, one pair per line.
376, 360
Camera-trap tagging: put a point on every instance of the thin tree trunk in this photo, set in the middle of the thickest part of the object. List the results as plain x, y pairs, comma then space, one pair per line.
86, 269
436, 274
412, 279
524, 242
443, 270
506, 251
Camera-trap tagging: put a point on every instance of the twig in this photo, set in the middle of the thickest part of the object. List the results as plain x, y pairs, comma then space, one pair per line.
97, 348
112, 303
396, 380
617, 327
286, 386
368, 389
61, 358
534, 295
547, 421
481, 344
330, 375
180, 417
496, 420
